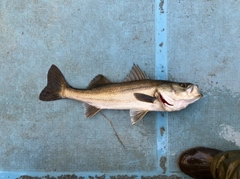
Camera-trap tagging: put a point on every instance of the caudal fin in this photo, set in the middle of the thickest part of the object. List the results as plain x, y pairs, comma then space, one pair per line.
55, 85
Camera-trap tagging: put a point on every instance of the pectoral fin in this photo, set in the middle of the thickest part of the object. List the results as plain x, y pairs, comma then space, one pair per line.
90, 111
144, 97
136, 115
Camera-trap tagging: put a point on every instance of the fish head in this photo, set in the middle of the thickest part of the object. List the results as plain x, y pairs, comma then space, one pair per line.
176, 96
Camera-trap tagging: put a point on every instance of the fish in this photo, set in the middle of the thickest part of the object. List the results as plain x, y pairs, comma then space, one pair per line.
136, 93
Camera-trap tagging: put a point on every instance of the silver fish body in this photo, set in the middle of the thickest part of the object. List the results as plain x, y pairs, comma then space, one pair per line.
137, 93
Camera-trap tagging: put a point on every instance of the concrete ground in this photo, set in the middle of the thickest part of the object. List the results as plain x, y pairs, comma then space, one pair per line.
180, 40
203, 47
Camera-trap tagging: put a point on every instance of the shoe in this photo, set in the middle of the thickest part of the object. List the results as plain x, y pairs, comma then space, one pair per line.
195, 162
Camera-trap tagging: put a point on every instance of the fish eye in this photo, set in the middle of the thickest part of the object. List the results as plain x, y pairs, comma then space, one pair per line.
183, 85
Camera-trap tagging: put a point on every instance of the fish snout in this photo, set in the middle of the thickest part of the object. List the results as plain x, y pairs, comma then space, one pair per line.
194, 89
197, 91
200, 95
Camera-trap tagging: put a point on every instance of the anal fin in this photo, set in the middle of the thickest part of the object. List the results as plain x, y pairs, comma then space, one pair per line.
137, 114
90, 111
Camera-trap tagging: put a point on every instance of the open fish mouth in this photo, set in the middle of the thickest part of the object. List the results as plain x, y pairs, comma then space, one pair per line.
164, 101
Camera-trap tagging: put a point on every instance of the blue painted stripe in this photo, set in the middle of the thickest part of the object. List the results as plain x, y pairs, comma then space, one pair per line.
161, 39
161, 72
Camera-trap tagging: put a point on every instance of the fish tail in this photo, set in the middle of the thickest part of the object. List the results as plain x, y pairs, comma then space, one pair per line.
55, 86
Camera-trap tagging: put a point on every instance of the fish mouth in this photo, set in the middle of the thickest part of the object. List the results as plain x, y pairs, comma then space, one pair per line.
200, 95
164, 101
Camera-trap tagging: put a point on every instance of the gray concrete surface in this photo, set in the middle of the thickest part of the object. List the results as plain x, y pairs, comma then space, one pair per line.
83, 38
203, 47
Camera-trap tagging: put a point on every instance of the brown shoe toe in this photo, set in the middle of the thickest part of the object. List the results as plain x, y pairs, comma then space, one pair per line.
195, 162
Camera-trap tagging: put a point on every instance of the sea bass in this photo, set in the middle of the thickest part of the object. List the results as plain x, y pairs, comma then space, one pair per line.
137, 93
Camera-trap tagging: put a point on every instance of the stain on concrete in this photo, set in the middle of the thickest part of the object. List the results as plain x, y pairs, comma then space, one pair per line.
161, 6
162, 164
162, 131
28, 177
51, 177
68, 177
123, 177
228, 133
161, 177
100, 177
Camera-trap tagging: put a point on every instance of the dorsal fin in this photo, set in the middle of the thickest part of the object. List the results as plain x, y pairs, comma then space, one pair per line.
136, 74
99, 80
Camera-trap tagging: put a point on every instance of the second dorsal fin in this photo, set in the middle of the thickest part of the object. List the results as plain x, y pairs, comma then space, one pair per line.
135, 74
99, 80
